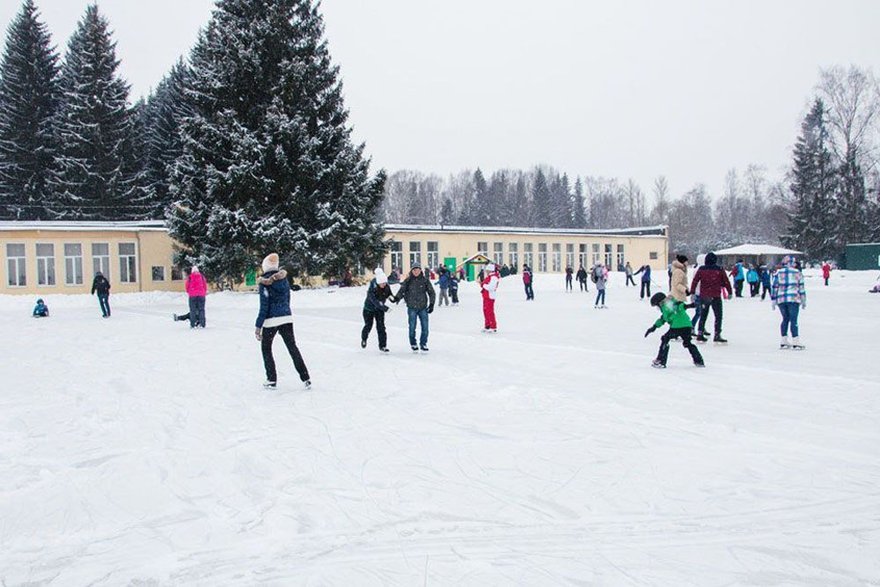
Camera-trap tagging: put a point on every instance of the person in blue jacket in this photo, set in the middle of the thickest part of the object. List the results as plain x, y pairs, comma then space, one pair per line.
764, 276
41, 310
443, 282
275, 318
754, 281
739, 278
645, 270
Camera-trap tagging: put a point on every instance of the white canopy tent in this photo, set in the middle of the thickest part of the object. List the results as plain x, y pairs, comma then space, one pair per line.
753, 253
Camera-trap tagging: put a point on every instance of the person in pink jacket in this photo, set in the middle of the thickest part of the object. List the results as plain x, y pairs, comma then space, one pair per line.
196, 289
489, 287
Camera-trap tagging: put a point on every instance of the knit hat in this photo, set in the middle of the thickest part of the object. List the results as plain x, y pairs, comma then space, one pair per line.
195, 269
682, 259
490, 268
711, 259
416, 265
657, 298
271, 262
380, 276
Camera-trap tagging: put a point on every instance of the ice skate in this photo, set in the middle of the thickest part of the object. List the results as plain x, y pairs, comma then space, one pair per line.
718, 339
363, 343
414, 348
424, 348
384, 349
657, 364
784, 344
270, 384
796, 344
307, 383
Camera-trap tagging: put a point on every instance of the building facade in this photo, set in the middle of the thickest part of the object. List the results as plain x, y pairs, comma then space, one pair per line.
544, 250
63, 257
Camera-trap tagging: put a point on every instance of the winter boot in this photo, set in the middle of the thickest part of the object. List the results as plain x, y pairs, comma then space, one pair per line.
701, 337
414, 348
175, 317
784, 344
424, 348
384, 349
699, 364
657, 364
719, 339
796, 344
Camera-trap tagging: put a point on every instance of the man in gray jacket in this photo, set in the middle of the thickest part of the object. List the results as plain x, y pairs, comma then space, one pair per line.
418, 293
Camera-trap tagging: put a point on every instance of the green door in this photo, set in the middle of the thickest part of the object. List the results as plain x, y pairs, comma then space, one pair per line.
449, 262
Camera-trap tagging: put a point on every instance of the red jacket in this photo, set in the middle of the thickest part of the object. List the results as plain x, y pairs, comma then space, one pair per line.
489, 285
196, 286
826, 271
709, 281
527, 277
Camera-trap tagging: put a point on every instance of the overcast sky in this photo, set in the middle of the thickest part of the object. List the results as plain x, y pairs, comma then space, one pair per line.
624, 88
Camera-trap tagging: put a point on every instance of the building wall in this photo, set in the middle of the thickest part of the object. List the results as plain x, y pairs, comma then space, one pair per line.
152, 248
638, 250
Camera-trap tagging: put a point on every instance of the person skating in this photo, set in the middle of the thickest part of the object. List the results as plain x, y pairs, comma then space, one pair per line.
678, 288
582, 278
196, 289
754, 281
765, 277
527, 282
102, 287
569, 273
453, 288
645, 291
418, 293
826, 272
674, 313
443, 282
274, 318
629, 274
789, 295
41, 310
600, 278
739, 278
709, 280
375, 307
489, 289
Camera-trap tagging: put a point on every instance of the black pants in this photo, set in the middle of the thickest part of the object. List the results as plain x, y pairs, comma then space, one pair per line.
379, 317
629, 279
738, 287
197, 311
765, 289
715, 304
286, 332
453, 293
104, 300
568, 285
685, 335
583, 283
646, 290
530, 293
754, 288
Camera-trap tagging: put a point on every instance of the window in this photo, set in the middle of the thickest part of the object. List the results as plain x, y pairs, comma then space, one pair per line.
176, 273
557, 257
498, 254
158, 273
396, 255
482, 248
542, 257
527, 255
621, 258
15, 265
45, 264
582, 255
653, 255
127, 263
433, 254
73, 264
595, 254
569, 255
608, 256
513, 254
101, 259
415, 253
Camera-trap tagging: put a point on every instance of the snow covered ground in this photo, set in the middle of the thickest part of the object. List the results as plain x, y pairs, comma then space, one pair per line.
134, 451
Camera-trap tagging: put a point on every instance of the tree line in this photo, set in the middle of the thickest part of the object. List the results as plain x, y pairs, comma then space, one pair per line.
245, 146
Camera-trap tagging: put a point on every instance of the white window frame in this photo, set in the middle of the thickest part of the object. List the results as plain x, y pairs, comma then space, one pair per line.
46, 266
20, 263
528, 255
582, 254
609, 255
396, 255
513, 254
433, 254
101, 262
621, 256
542, 257
557, 257
128, 264
415, 253
73, 265
498, 253
596, 254
569, 255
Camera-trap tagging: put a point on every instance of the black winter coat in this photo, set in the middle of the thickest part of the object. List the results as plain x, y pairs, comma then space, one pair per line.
417, 292
100, 285
376, 297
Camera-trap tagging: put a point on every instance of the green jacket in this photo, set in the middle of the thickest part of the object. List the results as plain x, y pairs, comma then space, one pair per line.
673, 313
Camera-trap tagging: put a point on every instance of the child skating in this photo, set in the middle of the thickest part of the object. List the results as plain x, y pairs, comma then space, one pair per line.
675, 314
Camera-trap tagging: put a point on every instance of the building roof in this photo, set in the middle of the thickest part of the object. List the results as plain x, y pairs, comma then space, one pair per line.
83, 225
659, 230
753, 249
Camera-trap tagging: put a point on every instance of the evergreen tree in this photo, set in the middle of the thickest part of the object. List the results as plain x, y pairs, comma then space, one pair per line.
28, 101
560, 202
813, 184
268, 162
481, 214
95, 179
578, 216
540, 216
852, 211
163, 143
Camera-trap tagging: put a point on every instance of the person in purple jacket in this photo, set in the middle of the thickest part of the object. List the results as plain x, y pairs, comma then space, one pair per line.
275, 318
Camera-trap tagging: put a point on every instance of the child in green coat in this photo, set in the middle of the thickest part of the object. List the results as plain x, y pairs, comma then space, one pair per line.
675, 314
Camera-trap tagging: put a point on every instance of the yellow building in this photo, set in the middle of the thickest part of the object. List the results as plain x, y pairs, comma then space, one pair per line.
544, 250
45, 257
